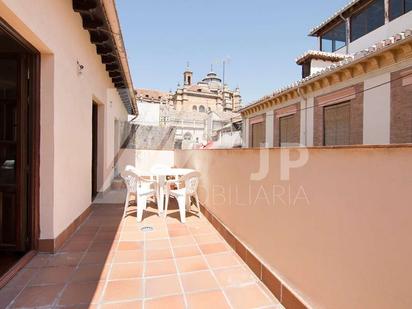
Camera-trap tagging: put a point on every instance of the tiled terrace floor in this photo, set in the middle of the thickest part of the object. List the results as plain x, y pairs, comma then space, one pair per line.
111, 263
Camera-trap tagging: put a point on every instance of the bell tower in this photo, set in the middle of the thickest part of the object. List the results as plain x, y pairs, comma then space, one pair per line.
187, 76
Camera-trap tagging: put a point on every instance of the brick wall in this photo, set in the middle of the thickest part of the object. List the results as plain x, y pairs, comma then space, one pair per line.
296, 126
401, 107
356, 118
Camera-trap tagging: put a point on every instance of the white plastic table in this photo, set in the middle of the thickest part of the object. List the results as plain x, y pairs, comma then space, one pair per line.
161, 173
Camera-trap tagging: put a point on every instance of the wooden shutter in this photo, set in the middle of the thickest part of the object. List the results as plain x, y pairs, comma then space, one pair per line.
258, 134
337, 124
288, 131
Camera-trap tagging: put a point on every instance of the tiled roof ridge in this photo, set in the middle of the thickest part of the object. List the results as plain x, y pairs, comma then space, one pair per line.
336, 14
407, 34
321, 55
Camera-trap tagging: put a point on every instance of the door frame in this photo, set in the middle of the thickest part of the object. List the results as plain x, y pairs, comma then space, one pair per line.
33, 135
95, 149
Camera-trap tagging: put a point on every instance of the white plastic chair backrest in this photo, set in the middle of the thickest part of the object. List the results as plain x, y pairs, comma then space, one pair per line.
131, 180
191, 182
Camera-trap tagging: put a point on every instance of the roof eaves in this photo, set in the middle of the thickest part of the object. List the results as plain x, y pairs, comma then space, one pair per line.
377, 48
314, 30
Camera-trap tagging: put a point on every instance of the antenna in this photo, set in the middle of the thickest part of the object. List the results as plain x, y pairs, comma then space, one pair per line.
224, 71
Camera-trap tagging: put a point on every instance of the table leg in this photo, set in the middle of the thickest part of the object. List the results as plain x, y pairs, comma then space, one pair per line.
160, 202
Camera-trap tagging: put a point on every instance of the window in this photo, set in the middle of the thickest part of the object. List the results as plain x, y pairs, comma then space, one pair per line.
257, 134
334, 39
336, 124
306, 69
194, 107
368, 19
202, 109
288, 132
398, 8
189, 80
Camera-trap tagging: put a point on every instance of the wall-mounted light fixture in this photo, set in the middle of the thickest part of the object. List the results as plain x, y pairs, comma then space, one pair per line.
80, 68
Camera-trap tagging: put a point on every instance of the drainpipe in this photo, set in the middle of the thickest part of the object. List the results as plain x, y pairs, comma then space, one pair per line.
387, 11
304, 97
347, 27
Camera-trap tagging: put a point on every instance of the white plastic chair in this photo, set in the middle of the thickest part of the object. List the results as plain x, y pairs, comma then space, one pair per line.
143, 188
183, 195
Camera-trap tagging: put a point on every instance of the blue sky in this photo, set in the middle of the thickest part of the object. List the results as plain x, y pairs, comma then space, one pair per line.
261, 39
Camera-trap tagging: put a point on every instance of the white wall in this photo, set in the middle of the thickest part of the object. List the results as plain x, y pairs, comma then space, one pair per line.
269, 128
146, 160
376, 110
306, 122
245, 130
149, 113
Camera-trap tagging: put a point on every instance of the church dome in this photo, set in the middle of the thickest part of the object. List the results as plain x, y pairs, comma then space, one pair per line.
212, 78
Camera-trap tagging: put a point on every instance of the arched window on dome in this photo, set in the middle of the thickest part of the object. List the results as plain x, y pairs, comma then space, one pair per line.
194, 107
202, 109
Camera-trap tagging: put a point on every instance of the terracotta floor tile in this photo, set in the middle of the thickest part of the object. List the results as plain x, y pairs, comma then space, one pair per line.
52, 275
170, 302
160, 268
157, 244
183, 241
130, 245
234, 276
126, 271
123, 290
179, 232
158, 254
157, 234
92, 272
84, 238
162, 286
186, 251
207, 238
191, 264
176, 226
37, 296
207, 300
96, 258
128, 256
249, 296
131, 236
82, 293
198, 281
213, 248
75, 246
7, 294
40, 260
65, 259
137, 304
222, 260
106, 236
103, 247
132, 251
22, 278
202, 229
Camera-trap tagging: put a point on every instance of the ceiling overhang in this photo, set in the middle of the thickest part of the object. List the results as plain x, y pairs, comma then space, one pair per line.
95, 21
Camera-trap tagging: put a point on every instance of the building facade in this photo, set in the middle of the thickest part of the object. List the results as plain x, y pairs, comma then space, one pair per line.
190, 108
210, 94
65, 96
355, 90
